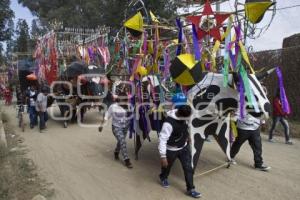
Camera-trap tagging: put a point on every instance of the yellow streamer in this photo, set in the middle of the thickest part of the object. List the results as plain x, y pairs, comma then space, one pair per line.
233, 128
228, 28
214, 51
245, 56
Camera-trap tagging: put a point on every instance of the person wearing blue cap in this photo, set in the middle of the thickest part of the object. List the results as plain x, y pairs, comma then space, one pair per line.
173, 144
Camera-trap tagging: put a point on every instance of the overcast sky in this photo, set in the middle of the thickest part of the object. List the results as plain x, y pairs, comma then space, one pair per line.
286, 23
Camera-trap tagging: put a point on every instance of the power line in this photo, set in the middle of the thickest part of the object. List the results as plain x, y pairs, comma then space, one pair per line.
288, 7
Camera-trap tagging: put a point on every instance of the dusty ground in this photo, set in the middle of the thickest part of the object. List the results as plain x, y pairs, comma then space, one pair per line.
79, 162
19, 179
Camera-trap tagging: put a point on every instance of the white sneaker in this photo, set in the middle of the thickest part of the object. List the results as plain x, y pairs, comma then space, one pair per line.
232, 162
263, 168
289, 142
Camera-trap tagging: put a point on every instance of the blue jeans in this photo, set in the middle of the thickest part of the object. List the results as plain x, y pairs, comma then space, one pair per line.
32, 115
43, 119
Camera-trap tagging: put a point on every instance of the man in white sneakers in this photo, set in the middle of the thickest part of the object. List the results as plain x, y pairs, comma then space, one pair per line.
249, 129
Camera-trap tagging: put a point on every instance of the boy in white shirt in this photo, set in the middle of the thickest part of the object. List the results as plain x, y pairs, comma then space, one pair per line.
119, 112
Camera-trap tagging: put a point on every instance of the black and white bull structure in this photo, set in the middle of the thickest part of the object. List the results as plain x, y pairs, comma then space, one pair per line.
69, 99
212, 105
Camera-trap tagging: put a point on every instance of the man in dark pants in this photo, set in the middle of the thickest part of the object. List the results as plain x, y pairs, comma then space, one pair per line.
249, 129
173, 144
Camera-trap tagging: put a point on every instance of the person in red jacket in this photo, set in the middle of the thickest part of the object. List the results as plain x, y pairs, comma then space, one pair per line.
279, 116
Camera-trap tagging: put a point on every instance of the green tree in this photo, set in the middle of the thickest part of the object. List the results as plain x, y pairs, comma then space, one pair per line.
10, 43
93, 13
6, 14
22, 33
37, 29
72, 13
1, 56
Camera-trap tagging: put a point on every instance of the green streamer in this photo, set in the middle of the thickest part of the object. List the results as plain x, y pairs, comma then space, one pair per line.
247, 88
137, 47
225, 72
239, 62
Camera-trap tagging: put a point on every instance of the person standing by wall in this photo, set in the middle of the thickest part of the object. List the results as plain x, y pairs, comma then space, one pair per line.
279, 116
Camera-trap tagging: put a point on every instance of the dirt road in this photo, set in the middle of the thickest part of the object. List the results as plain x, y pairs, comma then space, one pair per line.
79, 162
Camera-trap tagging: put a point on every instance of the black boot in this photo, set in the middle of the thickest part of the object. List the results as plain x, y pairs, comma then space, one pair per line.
116, 155
128, 164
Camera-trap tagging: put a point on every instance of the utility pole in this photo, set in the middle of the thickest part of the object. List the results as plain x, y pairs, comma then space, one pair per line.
218, 5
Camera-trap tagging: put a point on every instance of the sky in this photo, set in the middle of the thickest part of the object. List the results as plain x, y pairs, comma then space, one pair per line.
285, 23
21, 12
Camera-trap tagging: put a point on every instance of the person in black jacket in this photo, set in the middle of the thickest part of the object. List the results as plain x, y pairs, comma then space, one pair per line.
173, 144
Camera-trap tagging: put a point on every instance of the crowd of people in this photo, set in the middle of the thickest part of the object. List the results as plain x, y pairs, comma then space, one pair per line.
36, 101
174, 136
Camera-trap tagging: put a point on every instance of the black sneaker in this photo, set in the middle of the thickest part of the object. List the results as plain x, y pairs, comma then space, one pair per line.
164, 183
128, 164
193, 193
263, 168
116, 155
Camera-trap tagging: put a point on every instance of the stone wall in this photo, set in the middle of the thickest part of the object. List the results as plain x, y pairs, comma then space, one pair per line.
291, 71
288, 58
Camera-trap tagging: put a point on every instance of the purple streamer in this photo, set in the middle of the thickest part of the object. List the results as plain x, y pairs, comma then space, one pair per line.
284, 101
155, 45
232, 58
178, 22
242, 97
237, 47
208, 66
196, 44
145, 46
167, 63
238, 32
91, 53
142, 110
